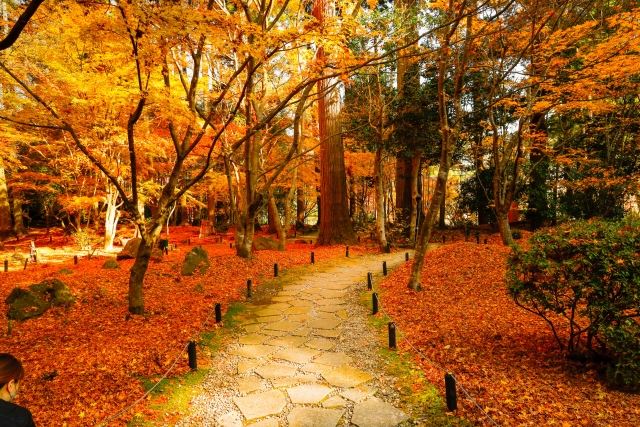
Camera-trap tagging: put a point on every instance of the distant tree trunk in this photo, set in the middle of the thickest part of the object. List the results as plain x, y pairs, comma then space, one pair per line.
381, 216
271, 216
538, 191
280, 231
183, 212
212, 202
301, 207
415, 169
443, 212
404, 185
335, 224
112, 215
18, 224
5, 207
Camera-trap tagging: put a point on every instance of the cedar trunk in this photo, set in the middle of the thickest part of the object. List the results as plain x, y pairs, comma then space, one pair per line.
381, 216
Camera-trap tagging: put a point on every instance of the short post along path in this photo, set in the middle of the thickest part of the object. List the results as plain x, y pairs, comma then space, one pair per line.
306, 359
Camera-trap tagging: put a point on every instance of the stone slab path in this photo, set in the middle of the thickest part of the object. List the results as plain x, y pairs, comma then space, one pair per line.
306, 359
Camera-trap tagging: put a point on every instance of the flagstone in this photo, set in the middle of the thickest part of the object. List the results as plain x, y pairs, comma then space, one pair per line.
297, 310
295, 380
301, 303
377, 413
296, 354
245, 366
331, 308
284, 296
253, 351
321, 343
333, 359
330, 301
249, 384
298, 317
279, 306
273, 333
302, 332
275, 370
324, 323
314, 417
346, 376
253, 339
334, 402
288, 341
260, 405
269, 312
270, 422
255, 327
328, 333
316, 368
284, 326
357, 395
308, 393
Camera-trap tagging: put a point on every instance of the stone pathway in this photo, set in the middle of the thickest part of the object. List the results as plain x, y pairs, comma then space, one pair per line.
306, 359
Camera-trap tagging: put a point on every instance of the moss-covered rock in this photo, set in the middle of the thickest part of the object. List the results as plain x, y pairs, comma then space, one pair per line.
111, 264
35, 301
156, 255
264, 243
130, 250
196, 259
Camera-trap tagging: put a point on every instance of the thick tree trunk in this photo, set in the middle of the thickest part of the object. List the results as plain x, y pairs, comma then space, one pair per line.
139, 269
272, 219
335, 224
404, 185
381, 216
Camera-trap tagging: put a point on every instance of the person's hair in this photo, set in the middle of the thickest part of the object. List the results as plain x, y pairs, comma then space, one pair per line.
10, 369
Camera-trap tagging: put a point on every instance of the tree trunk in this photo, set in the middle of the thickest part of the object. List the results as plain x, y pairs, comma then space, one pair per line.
335, 224
280, 231
18, 224
415, 169
272, 218
381, 216
403, 188
443, 212
301, 207
139, 269
112, 215
504, 227
5, 207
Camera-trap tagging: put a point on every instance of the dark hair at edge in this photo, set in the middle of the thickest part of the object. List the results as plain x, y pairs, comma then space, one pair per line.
10, 369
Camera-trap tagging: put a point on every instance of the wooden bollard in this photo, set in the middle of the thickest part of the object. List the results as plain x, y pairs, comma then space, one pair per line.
313, 258
275, 270
406, 256
477, 237
230, 245
50, 238
189, 241
384, 268
218, 313
369, 281
485, 241
249, 285
374, 303
392, 335
193, 357
444, 238
75, 260
26, 261
450, 391
6, 265
347, 252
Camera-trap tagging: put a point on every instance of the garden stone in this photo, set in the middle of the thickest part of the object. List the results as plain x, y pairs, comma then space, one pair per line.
264, 243
130, 250
111, 264
196, 259
377, 413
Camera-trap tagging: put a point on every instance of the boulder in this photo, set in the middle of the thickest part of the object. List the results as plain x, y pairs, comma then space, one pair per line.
196, 259
130, 250
111, 264
156, 254
33, 302
264, 243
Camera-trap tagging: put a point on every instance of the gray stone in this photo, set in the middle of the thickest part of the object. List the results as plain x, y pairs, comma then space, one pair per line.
249, 384
111, 264
333, 359
230, 419
314, 417
296, 354
321, 344
376, 413
196, 259
325, 323
260, 405
284, 326
253, 351
334, 402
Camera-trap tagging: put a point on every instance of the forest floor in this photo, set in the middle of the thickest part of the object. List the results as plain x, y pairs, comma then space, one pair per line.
86, 363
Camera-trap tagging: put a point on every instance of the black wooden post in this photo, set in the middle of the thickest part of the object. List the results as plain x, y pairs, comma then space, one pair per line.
477, 237
230, 245
275, 270
313, 258
450, 391
374, 303
384, 268
347, 252
369, 281
193, 359
406, 256
26, 260
249, 284
189, 241
392, 335
6, 265
218, 313
485, 241
444, 238
50, 238
75, 260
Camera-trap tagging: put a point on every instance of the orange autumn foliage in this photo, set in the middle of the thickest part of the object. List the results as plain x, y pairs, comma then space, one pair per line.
504, 356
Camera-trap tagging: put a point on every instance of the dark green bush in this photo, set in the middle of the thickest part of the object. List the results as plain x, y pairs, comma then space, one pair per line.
583, 278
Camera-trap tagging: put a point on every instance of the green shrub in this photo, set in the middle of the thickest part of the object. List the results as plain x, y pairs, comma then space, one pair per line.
584, 278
